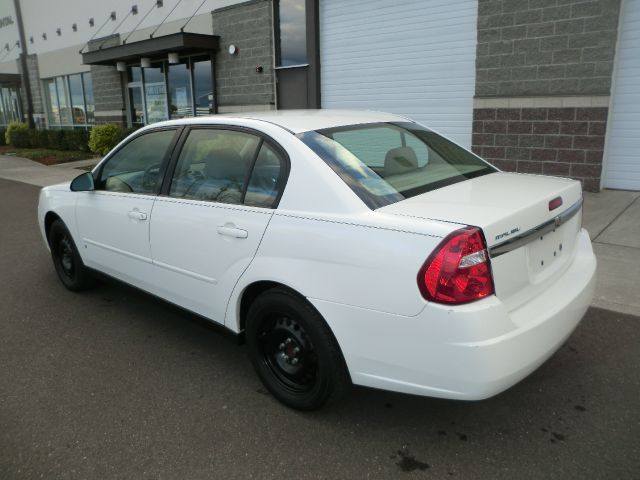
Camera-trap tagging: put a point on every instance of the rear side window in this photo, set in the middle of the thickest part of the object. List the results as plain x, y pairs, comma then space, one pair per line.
266, 178
228, 166
388, 162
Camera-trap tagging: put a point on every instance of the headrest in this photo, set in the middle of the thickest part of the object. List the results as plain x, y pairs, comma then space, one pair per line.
225, 164
400, 160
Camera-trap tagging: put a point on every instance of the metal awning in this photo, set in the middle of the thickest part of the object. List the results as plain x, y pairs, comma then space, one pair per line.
10, 79
182, 43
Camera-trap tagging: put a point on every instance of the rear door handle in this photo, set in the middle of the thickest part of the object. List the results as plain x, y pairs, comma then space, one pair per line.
230, 231
136, 215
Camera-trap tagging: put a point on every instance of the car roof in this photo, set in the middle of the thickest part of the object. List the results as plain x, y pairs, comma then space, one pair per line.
298, 121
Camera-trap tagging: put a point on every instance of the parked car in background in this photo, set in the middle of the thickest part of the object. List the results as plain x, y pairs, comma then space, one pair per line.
347, 247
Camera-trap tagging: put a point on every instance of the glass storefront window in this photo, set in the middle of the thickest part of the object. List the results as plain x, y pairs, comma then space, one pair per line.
69, 100
63, 100
155, 93
52, 100
77, 99
181, 103
87, 84
292, 33
203, 85
3, 118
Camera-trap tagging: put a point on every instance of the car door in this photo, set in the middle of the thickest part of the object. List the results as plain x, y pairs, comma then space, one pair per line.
208, 224
113, 219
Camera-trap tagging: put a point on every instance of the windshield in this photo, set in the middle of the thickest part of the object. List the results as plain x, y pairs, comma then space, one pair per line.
384, 163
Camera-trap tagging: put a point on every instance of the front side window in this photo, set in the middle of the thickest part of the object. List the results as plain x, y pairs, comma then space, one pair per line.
136, 166
388, 162
292, 33
227, 166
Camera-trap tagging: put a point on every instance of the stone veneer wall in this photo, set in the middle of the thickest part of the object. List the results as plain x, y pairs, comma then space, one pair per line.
248, 26
108, 91
543, 77
564, 142
36, 91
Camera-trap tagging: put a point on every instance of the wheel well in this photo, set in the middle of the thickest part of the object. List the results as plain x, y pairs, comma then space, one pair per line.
49, 218
252, 292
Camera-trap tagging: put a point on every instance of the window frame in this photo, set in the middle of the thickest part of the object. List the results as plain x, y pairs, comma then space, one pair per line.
177, 131
263, 137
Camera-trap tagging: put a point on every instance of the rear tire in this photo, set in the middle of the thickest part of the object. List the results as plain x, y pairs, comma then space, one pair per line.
294, 352
66, 259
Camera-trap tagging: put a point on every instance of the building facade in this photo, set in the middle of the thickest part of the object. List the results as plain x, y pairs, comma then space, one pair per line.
535, 86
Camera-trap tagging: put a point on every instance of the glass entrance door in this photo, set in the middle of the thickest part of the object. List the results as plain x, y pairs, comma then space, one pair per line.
137, 105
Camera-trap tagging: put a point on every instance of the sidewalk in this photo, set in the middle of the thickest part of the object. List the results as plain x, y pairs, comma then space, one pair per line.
34, 173
612, 218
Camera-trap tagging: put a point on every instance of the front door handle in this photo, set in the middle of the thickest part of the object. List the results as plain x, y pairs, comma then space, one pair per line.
231, 231
137, 215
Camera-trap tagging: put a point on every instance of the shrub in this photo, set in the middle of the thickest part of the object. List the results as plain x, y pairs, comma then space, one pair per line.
3, 140
21, 138
40, 138
15, 127
77, 139
56, 140
104, 137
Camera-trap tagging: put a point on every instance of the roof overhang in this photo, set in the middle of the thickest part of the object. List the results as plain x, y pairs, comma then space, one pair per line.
182, 43
10, 78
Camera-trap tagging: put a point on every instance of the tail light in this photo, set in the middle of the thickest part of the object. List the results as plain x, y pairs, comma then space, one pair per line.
458, 271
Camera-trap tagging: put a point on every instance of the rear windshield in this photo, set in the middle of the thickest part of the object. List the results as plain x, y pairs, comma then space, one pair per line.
384, 163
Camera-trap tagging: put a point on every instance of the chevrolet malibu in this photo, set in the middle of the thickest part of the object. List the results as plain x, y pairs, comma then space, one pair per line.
344, 246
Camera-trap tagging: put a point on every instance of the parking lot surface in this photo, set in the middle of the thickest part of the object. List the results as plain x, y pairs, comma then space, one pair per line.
113, 383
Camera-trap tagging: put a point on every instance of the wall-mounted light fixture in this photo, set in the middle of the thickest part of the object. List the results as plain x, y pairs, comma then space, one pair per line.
44, 36
74, 27
113, 16
145, 62
6, 47
30, 39
233, 49
121, 66
58, 31
173, 58
134, 9
91, 22
159, 3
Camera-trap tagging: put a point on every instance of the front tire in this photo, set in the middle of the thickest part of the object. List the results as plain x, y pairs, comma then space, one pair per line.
66, 259
294, 352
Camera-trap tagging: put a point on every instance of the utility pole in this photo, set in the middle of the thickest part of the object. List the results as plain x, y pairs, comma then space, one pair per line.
23, 64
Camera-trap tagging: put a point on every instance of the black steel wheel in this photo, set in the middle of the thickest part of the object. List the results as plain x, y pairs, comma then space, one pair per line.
66, 259
294, 352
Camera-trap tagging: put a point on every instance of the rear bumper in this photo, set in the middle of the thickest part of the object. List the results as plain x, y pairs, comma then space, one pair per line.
468, 352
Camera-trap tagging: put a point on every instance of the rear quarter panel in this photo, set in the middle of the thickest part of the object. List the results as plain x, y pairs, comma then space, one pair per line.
344, 259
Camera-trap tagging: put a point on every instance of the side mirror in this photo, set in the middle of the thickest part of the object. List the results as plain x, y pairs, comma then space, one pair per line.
83, 183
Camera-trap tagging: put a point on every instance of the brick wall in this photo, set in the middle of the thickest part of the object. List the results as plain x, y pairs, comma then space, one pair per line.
107, 87
248, 26
543, 77
545, 47
552, 141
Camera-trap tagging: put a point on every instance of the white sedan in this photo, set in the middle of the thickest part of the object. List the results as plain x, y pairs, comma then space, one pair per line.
347, 247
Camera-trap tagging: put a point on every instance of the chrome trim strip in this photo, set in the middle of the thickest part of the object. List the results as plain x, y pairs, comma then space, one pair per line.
530, 235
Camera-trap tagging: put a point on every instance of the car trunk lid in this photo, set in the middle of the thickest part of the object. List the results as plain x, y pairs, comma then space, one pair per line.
529, 244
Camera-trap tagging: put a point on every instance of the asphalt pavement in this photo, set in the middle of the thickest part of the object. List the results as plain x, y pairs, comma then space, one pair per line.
113, 383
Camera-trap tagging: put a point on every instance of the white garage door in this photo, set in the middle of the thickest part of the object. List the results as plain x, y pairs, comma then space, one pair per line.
413, 57
622, 157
